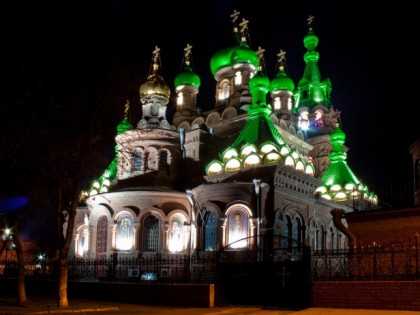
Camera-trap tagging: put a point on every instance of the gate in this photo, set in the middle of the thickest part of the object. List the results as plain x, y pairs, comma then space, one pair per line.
275, 277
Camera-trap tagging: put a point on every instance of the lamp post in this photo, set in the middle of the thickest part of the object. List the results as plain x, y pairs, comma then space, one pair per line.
257, 185
6, 239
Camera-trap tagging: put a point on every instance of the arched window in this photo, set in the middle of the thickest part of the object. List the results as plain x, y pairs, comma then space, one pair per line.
297, 231
125, 233
303, 122
238, 78
176, 242
224, 93
151, 234
180, 99
137, 161
277, 103
102, 237
237, 229
210, 231
163, 160
151, 161
82, 240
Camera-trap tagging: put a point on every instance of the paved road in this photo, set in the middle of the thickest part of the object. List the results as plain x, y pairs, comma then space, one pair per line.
43, 305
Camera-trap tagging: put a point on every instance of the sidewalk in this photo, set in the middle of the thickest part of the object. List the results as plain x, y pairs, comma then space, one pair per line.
47, 305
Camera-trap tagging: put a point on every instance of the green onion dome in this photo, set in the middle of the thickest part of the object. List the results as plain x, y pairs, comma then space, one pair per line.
282, 82
233, 55
259, 86
337, 139
187, 77
243, 54
221, 59
310, 40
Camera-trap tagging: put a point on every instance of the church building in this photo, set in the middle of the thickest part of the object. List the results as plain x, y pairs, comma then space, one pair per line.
264, 167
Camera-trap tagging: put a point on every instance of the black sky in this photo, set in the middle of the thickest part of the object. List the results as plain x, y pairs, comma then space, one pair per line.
365, 51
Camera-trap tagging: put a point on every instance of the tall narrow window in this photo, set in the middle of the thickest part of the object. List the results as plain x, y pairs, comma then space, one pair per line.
163, 160
210, 231
137, 161
125, 233
176, 241
238, 78
297, 228
180, 99
102, 237
277, 103
151, 234
237, 237
225, 91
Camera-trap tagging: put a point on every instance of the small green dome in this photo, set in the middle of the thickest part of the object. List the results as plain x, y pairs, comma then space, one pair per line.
221, 59
233, 55
243, 54
311, 41
282, 82
259, 86
187, 77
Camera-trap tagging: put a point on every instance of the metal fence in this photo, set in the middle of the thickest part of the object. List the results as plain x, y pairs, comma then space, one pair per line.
392, 262
151, 269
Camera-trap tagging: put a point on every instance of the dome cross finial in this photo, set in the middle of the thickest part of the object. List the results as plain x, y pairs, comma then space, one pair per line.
310, 20
281, 57
156, 54
235, 16
187, 53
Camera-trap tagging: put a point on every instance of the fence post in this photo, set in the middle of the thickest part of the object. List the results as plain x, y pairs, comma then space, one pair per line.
417, 256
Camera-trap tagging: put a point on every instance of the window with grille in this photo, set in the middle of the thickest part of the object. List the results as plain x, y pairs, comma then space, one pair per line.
210, 231
163, 160
137, 161
151, 234
102, 237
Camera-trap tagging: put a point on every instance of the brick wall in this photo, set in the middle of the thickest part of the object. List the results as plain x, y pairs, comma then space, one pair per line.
384, 227
380, 295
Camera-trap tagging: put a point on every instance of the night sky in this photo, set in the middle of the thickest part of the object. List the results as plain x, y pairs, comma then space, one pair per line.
49, 48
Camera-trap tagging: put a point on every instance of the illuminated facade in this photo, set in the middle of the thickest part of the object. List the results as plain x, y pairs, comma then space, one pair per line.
268, 159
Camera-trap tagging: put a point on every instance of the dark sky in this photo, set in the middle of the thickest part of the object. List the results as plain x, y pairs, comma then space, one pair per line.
363, 50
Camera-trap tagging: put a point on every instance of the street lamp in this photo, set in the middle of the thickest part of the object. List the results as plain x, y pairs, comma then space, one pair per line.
7, 237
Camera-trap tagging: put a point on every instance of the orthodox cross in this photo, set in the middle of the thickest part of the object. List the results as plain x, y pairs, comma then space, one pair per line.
310, 20
244, 27
187, 52
283, 275
281, 57
235, 16
156, 54
260, 53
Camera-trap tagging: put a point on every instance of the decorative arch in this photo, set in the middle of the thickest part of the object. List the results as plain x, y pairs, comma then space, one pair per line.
238, 229
197, 122
229, 112
213, 118
184, 125
152, 154
151, 231
124, 231
178, 232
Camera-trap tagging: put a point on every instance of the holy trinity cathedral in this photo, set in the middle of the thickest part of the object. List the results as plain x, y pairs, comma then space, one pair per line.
267, 160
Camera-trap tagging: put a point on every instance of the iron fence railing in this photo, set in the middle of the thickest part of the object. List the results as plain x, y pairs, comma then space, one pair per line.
151, 269
392, 262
